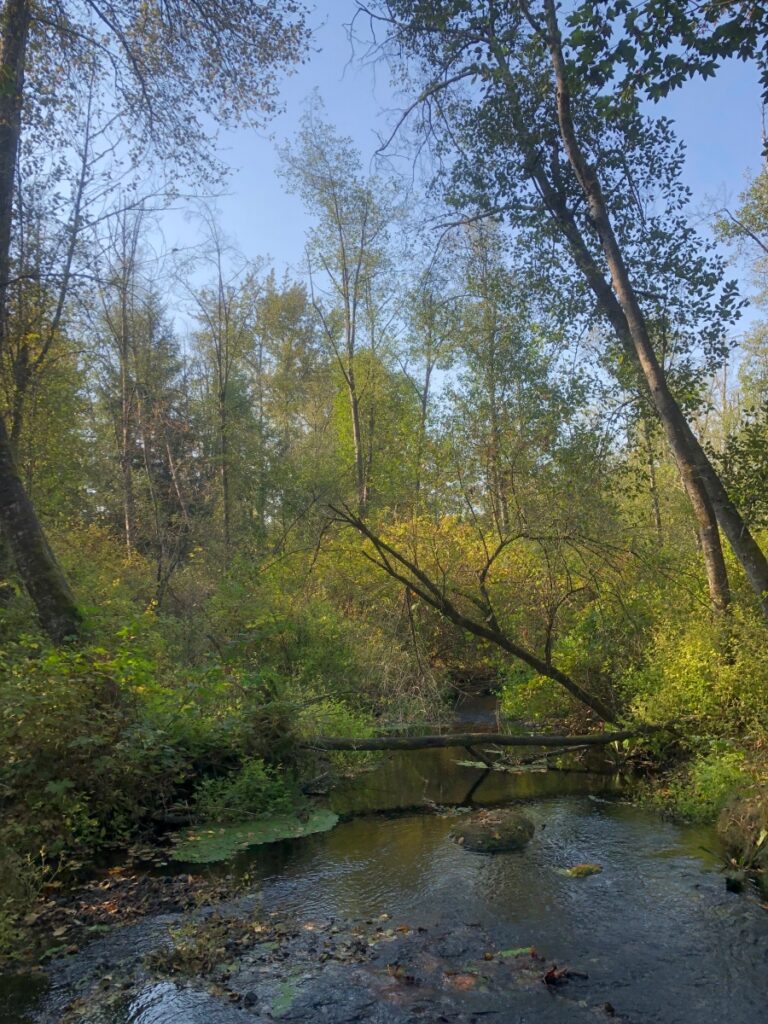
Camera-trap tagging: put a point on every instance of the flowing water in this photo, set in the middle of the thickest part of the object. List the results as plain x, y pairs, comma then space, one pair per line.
658, 934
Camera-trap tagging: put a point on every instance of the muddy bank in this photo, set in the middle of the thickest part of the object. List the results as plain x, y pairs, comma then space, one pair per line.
66, 919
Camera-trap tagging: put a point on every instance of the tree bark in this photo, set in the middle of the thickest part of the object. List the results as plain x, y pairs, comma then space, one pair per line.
470, 739
36, 563
705, 489
56, 608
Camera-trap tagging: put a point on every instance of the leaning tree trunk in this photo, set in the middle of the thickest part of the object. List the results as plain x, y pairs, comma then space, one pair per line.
36, 563
706, 509
704, 486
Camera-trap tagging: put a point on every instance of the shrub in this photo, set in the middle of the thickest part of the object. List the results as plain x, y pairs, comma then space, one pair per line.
700, 790
21, 878
254, 789
81, 765
743, 827
710, 677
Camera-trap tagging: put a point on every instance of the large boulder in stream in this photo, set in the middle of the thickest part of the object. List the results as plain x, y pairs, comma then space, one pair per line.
494, 831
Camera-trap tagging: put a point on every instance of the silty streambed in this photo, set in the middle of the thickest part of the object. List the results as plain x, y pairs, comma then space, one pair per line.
658, 935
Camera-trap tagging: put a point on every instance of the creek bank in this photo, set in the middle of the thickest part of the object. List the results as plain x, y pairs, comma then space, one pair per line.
64, 920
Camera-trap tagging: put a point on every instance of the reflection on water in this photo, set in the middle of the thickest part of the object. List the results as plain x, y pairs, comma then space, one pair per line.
416, 778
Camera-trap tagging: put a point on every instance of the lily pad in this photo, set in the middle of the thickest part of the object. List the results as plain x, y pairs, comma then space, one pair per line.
209, 843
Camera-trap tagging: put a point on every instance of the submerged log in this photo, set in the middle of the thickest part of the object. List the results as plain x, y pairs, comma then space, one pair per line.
469, 739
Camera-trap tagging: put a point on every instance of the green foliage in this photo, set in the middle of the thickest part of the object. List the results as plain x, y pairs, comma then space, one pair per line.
744, 462
99, 739
532, 698
705, 676
701, 790
81, 764
21, 878
253, 789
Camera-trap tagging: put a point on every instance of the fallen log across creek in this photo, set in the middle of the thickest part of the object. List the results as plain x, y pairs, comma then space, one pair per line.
471, 739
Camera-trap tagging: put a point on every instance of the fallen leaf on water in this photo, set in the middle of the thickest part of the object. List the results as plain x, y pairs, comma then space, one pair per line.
399, 973
555, 977
560, 977
462, 982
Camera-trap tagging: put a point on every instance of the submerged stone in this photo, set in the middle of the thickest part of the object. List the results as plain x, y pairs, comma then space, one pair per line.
494, 831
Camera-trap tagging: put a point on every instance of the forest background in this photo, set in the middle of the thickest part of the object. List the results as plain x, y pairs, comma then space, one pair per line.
417, 454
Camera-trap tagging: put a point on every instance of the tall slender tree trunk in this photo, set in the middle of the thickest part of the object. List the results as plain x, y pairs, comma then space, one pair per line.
705, 489
423, 414
36, 563
653, 482
361, 480
498, 491
261, 494
224, 471
126, 424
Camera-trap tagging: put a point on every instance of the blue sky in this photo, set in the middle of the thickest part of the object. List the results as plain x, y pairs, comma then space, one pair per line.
719, 120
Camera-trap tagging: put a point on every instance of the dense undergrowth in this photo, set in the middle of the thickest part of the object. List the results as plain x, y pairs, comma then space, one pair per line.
201, 712
206, 708
702, 676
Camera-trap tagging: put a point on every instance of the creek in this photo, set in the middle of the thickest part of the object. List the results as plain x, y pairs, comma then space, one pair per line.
658, 935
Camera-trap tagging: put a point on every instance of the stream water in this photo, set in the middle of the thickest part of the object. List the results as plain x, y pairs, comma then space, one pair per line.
656, 931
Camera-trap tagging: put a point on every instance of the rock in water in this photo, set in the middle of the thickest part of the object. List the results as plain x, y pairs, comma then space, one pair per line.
494, 831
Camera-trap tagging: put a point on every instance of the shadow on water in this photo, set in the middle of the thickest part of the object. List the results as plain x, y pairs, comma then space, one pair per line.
656, 931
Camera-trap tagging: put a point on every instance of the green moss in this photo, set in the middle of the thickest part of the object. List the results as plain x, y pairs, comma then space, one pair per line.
583, 870
285, 997
209, 843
